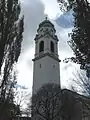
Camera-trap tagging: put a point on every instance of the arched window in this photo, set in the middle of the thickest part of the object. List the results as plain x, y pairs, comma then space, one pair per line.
52, 46
41, 46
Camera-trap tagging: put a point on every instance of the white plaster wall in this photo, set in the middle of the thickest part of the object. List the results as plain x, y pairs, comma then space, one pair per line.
47, 73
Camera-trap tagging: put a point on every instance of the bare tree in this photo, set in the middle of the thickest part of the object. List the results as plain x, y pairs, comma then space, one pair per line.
52, 103
22, 98
81, 82
46, 103
82, 86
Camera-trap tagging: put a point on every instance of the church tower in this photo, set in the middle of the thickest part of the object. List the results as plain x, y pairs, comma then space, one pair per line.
46, 60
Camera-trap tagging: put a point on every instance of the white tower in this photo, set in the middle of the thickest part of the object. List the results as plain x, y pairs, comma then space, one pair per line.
46, 61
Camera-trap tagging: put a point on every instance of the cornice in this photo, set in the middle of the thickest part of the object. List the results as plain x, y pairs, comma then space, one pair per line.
47, 33
46, 54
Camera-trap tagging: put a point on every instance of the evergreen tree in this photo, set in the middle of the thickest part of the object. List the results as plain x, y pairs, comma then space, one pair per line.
80, 36
11, 36
11, 28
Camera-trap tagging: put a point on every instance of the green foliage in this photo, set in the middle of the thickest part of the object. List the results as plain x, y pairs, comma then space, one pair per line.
11, 36
80, 37
11, 28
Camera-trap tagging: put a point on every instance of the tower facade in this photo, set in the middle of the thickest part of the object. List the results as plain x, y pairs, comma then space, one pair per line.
46, 60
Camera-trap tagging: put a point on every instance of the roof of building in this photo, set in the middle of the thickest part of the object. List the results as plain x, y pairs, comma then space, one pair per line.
77, 95
46, 23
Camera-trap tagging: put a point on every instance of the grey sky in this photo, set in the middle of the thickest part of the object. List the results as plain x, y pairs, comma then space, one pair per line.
34, 12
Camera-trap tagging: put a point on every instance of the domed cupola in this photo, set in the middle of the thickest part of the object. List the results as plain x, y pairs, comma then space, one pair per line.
46, 27
46, 23
46, 40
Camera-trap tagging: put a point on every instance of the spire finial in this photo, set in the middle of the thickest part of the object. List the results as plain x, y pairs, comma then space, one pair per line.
46, 17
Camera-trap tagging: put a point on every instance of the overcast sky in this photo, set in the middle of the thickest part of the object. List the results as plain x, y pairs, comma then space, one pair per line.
35, 12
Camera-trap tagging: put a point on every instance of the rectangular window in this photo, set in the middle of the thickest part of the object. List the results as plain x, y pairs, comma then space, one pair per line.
40, 65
